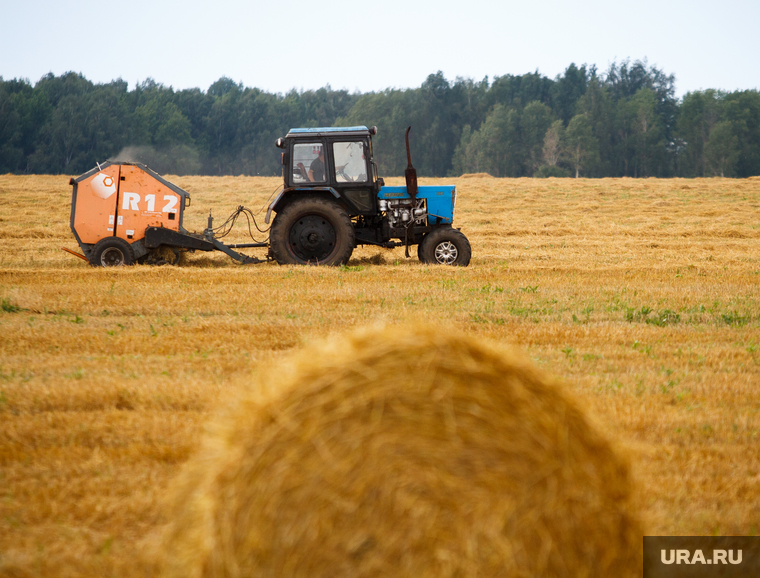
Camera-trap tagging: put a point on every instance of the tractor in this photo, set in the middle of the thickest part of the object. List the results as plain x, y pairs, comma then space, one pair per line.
334, 200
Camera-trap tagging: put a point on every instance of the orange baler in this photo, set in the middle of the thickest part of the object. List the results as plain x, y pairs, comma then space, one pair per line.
122, 213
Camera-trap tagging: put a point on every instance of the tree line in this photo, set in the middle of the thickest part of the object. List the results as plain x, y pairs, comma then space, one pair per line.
625, 121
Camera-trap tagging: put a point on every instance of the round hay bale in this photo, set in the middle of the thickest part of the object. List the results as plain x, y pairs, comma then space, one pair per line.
476, 176
403, 452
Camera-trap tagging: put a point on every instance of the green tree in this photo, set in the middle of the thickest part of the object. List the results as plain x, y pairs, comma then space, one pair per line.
568, 89
438, 126
625, 79
496, 145
698, 115
11, 153
581, 147
67, 132
518, 91
534, 123
62, 140
742, 108
172, 127
598, 105
463, 155
647, 138
722, 149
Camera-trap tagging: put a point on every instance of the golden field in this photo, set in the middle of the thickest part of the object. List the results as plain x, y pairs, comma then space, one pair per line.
640, 295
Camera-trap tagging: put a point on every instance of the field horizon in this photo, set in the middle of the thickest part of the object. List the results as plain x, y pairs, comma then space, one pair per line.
639, 295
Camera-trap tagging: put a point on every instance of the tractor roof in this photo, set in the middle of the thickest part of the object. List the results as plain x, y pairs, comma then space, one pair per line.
328, 131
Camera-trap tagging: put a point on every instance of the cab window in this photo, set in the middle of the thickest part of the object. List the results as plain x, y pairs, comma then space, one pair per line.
308, 163
350, 162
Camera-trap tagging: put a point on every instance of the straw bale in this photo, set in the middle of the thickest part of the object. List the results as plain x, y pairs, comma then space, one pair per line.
476, 176
403, 452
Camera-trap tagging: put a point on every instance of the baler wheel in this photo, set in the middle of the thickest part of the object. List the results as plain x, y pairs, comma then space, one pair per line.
312, 232
445, 246
112, 252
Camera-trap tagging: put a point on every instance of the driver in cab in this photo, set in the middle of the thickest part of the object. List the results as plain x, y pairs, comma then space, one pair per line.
316, 172
317, 168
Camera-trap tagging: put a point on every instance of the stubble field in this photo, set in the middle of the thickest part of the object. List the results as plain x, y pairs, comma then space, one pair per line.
641, 295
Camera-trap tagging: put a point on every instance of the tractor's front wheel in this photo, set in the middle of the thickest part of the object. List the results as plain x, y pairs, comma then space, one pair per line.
312, 232
445, 246
112, 252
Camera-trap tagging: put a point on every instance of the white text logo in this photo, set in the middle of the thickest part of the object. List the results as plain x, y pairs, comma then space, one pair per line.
130, 202
686, 557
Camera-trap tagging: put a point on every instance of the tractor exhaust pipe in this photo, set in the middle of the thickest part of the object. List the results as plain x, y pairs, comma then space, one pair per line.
410, 174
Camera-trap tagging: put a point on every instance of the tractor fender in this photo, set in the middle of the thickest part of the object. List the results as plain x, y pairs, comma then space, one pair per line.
286, 195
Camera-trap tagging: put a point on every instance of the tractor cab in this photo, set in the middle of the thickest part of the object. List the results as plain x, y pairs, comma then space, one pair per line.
335, 160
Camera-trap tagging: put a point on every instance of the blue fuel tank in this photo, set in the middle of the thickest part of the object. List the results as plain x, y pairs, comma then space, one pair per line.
440, 201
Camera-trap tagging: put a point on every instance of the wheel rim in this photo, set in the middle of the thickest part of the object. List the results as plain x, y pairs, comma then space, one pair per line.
446, 253
312, 238
112, 257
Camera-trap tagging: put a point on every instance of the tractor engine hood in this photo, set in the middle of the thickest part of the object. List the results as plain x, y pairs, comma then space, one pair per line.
441, 200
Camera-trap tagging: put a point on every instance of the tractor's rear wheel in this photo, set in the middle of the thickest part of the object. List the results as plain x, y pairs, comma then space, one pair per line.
312, 232
445, 246
112, 252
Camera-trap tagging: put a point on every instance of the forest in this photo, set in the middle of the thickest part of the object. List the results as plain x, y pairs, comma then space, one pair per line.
622, 122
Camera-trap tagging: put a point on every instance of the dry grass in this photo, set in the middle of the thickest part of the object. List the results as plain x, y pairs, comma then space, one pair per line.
641, 295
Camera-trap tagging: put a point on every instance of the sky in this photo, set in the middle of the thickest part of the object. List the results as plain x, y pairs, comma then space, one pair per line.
370, 46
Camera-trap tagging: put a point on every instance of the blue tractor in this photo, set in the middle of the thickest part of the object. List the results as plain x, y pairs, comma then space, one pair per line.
334, 200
